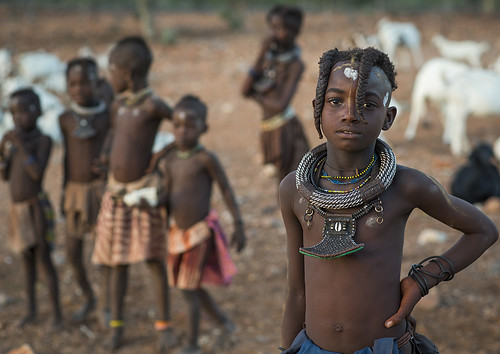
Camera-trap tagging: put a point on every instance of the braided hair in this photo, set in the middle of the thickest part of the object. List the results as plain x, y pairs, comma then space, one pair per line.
367, 59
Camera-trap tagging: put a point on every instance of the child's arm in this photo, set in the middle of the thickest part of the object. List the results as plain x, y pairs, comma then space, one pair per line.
62, 121
256, 70
217, 172
4, 158
479, 233
34, 164
163, 110
101, 165
160, 164
295, 299
280, 102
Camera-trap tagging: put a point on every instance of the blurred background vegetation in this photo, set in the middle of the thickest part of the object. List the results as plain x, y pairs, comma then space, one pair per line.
233, 11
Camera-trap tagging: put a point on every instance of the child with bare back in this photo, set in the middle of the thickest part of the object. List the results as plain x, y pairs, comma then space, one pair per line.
272, 82
345, 210
197, 251
24, 154
130, 226
84, 127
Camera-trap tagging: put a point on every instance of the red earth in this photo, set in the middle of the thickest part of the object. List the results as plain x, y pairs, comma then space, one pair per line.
209, 60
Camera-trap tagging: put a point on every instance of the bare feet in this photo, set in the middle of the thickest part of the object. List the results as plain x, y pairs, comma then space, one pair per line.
191, 349
30, 318
57, 322
87, 308
55, 326
226, 329
167, 340
115, 339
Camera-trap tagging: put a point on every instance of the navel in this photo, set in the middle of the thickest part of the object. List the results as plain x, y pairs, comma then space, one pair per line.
338, 327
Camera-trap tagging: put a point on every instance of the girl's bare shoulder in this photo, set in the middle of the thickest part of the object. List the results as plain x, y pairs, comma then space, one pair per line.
411, 182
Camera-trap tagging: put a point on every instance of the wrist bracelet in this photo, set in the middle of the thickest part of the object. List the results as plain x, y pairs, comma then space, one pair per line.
281, 348
254, 74
417, 273
29, 160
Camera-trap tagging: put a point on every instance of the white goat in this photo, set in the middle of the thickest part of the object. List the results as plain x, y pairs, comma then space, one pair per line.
496, 149
5, 63
393, 35
496, 66
101, 59
362, 40
467, 51
38, 65
430, 86
474, 92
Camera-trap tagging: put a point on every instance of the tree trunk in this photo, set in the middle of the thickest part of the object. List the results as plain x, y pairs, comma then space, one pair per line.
146, 19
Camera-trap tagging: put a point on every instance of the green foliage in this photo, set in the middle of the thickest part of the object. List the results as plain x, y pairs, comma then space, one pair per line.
169, 36
311, 5
232, 17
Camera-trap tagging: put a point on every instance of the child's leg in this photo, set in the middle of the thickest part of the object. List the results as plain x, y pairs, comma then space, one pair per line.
44, 252
167, 338
74, 251
161, 288
226, 325
119, 276
209, 305
194, 301
29, 262
104, 296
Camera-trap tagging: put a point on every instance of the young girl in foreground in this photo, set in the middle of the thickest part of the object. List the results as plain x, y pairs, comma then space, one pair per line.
345, 210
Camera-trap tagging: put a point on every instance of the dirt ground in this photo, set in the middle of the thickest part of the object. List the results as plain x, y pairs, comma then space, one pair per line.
462, 316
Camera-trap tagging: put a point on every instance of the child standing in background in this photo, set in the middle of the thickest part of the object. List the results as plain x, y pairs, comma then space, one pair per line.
84, 127
24, 154
197, 250
131, 231
272, 83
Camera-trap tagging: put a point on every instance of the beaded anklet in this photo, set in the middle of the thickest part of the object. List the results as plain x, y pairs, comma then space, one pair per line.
417, 273
162, 325
116, 323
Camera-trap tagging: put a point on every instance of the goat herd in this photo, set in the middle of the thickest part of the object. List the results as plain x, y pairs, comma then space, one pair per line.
459, 86
456, 82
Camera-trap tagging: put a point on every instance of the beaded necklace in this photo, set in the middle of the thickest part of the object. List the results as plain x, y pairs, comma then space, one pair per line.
186, 154
132, 98
267, 80
350, 179
305, 180
84, 117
